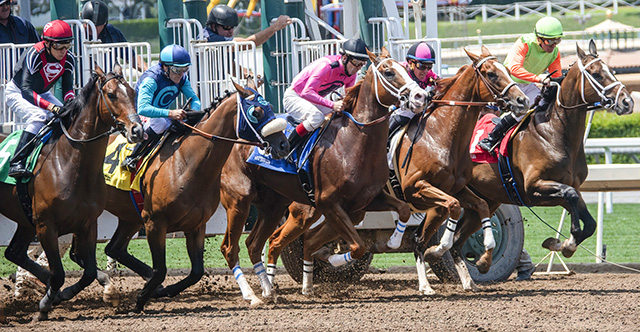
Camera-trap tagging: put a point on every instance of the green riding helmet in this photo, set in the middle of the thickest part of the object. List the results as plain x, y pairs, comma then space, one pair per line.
548, 27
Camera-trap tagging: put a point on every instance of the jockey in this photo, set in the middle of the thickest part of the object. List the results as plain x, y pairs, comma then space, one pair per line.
420, 59
156, 90
530, 56
304, 99
38, 69
223, 19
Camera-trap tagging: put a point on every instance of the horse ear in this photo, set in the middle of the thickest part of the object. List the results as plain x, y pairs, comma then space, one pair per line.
385, 52
117, 69
472, 56
485, 51
251, 83
580, 52
98, 70
242, 91
374, 58
592, 48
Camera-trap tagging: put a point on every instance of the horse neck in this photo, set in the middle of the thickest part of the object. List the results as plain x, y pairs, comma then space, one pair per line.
367, 107
460, 120
221, 123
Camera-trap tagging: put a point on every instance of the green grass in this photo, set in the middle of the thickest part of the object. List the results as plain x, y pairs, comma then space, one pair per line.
621, 234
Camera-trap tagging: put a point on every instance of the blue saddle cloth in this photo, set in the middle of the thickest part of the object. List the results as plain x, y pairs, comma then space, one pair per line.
285, 165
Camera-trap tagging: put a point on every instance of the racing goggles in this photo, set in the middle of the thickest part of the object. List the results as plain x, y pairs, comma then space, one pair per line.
61, 46
358, 63
227, 27
423, 65
551, 42
179, 70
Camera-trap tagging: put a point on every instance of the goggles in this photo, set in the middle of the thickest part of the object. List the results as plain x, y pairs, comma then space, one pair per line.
179, 70
423, 65
358, 63
61, 46
227, 27
551, 42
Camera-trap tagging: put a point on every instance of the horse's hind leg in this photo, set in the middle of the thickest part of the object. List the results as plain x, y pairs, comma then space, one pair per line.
110, 293
461, 267
195, 249
477, 207
386, 202
84, 248
117, 248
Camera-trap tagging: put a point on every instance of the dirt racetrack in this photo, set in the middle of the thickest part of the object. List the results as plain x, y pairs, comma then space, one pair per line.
386, 301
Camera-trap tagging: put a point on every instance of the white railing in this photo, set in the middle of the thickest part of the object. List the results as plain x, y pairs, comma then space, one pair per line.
133, 57
214, 64
9, 55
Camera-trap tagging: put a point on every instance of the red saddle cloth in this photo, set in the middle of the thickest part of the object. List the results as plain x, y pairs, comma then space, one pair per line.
482, 129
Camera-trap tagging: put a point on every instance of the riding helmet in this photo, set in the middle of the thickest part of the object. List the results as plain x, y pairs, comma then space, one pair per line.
223, 15
175, 55
96, 11
548, 27
421, 51
355, 48
57, 31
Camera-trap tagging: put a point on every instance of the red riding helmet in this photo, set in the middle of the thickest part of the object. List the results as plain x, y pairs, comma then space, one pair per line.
57, 31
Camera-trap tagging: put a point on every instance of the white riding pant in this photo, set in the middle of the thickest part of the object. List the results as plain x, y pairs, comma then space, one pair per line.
530, 90
158, 125
311, 115
33, 116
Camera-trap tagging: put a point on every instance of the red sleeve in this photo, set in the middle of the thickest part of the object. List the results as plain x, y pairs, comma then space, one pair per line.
557, 66
516, 63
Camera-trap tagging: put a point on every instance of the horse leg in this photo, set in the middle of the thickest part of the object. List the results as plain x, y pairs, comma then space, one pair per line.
117, 248
16, 253
237, 214
424, 232
49, 241
314, 239
84, 248
156, 237
343, 223
461, 267
385, 202
471, 202
195, 249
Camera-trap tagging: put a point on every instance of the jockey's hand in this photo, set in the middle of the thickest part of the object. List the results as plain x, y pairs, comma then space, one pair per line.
337, 106
58, 111
177, 114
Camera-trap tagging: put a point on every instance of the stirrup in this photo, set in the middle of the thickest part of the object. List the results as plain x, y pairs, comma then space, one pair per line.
19, 171
129, 164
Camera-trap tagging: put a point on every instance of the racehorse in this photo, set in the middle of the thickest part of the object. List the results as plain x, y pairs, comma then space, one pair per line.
349, 171
548, 163
181, 188
68, 189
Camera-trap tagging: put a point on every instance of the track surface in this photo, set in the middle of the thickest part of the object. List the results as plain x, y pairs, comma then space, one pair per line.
380, 301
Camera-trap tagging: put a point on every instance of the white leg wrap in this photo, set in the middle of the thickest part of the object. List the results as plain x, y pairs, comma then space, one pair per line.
271, 273
423, 283
340, 259
247, 292
307, 278
447, 238
396, 238
264, 280
465, 277
489, 241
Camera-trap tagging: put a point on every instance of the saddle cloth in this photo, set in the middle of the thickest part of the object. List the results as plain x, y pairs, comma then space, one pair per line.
7, 150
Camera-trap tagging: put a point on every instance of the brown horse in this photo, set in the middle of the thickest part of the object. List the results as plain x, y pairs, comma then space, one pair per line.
181, 188
348, 167
438, 166
547, 156
68, 190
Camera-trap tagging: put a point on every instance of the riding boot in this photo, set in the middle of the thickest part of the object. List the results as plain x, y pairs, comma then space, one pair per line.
489, 143
139, 150
397, 121
297, 136
18, 164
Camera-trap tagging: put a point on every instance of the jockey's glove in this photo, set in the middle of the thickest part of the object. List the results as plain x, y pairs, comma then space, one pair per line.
59, 111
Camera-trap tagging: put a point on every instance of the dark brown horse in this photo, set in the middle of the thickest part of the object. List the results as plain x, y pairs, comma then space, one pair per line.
547, 156
68, 190
348, 167
181, 188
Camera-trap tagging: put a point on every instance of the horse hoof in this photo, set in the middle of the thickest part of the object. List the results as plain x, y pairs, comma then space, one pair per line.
552, 244
567, 252
428, 291
379, 247
322, 254
431, 254
484, 263
41, 316
256, 302
307, 292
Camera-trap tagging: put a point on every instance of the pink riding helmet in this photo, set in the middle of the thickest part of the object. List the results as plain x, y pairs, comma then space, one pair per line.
421, 51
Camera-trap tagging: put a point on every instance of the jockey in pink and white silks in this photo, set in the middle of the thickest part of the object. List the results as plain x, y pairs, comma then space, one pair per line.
305, 98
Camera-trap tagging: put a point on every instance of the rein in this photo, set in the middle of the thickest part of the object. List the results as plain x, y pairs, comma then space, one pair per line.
212, 137
118, 126
605, 101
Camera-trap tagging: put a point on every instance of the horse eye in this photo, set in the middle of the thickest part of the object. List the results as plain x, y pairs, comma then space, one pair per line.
111, 95
597, 76
389, 73
492, 75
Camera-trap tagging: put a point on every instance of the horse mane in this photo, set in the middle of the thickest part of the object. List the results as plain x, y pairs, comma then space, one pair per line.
351, 97
74, 106
445, 84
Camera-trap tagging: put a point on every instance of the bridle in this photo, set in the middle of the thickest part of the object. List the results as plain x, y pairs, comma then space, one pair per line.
605, 101
396, 92
117, 126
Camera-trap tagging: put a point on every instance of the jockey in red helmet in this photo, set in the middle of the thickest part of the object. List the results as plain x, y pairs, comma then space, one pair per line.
38, 69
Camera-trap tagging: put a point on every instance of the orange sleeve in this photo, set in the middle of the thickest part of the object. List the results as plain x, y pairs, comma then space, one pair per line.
516, 63
556, 65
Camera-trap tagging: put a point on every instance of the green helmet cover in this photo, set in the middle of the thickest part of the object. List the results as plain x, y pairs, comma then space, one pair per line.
548, 27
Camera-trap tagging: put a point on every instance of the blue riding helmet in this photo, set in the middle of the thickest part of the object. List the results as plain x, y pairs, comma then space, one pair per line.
175, 55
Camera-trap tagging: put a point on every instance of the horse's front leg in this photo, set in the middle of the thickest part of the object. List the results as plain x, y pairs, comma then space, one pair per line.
571, 200
84, 252
49, 241
110, 293
470, 201
343, 224
117, 248
16, 253
386, 202
156, 237
195, 250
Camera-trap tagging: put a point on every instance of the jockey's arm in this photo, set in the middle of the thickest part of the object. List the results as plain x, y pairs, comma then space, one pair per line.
312, 86
67, 85
26, 84
145, 100
188, 92
516, 64
261, 37
556, 67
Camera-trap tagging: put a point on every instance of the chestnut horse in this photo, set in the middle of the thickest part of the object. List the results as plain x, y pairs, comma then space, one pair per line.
181, 188
349, 171
547, 156
68, 190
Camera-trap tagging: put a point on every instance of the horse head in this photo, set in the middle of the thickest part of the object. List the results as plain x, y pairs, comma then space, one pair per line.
396, 83
117, 103
603, 86
256, 121
498, 82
